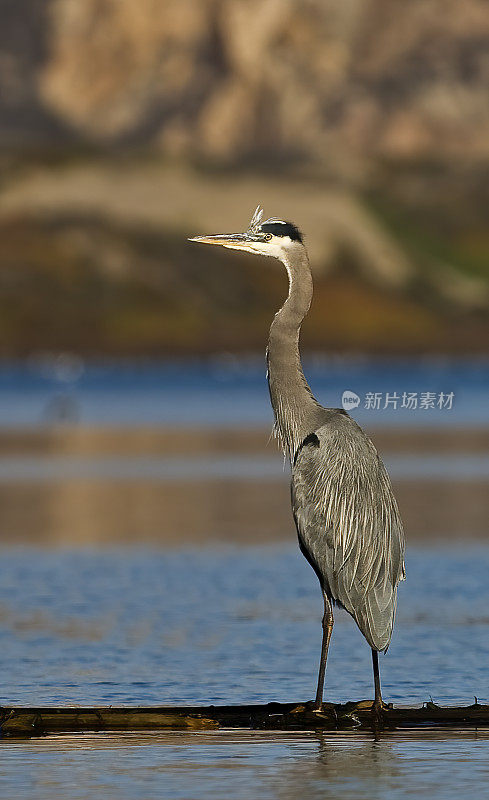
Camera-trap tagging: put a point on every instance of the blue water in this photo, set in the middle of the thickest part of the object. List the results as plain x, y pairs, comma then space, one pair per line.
225, 625
126, 626
224, 391
236, 625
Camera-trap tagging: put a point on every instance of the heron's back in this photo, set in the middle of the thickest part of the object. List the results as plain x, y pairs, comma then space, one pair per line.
348, 523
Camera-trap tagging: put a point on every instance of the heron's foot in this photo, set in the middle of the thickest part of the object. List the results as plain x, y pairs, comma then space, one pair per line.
378, 706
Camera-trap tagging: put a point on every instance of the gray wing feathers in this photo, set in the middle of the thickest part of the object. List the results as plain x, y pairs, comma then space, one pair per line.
348, 521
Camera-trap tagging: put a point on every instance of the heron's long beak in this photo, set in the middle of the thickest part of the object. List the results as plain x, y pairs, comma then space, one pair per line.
235, 241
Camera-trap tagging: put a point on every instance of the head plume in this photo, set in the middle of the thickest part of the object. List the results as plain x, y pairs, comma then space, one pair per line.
279, 227
256, 221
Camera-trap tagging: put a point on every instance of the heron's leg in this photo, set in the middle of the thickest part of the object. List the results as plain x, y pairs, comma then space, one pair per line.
328, 623
377, 706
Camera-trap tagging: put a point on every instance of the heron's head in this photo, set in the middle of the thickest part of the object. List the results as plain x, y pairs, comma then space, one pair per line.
273, 237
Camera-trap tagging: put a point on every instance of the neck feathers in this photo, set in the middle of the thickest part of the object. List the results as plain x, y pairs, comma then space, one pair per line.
292, 400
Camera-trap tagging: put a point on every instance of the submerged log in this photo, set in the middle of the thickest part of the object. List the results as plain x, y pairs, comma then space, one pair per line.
26, 722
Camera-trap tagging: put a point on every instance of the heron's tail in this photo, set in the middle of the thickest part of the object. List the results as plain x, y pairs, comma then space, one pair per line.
376, 614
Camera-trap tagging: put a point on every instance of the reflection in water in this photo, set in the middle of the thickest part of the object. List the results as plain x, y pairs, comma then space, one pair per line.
82, 486
183, 513
246, 765
389, 766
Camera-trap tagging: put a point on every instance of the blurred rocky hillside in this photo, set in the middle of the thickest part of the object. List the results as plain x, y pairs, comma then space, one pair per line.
236, 78
126, 125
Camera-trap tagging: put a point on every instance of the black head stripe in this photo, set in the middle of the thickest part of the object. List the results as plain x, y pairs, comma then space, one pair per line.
282, 229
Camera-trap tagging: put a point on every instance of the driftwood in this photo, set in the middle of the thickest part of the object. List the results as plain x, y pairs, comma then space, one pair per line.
26, 722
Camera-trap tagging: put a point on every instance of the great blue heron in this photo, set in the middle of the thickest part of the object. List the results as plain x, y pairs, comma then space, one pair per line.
346, 514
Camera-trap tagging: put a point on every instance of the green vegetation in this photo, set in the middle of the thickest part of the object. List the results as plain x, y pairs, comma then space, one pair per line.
431, 235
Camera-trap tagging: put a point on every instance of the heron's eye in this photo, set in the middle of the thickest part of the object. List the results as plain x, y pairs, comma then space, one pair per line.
268, 237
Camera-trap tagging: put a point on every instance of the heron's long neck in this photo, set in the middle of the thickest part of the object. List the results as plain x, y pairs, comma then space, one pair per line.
291, 397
